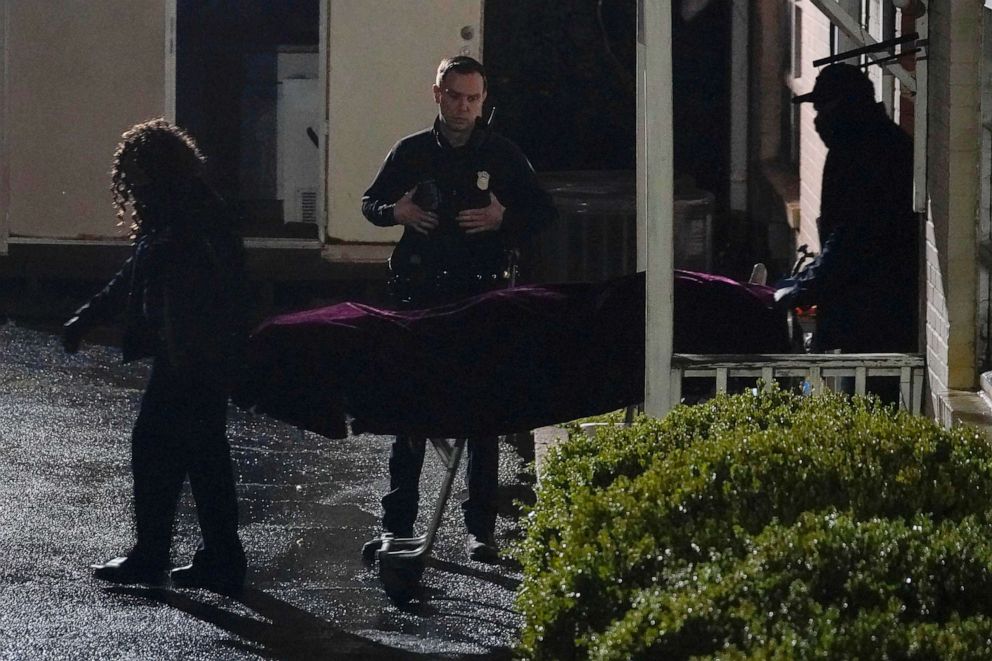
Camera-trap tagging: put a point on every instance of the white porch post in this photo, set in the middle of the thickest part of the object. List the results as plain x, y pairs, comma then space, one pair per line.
739, 83
655, 196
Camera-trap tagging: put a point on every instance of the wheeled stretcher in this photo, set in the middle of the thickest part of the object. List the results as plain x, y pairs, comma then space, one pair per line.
401, 560
504, 362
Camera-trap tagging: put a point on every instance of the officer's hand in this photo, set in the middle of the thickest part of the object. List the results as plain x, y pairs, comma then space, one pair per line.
72, 335
408, 214
486, 219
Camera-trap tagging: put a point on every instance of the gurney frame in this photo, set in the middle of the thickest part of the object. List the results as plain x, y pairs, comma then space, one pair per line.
402, 560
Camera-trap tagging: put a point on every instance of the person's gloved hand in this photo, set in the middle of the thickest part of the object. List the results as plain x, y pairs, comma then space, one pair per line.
72, 334
787, 294
786, 297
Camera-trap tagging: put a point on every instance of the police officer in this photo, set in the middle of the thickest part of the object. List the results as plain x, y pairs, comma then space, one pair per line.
465, 197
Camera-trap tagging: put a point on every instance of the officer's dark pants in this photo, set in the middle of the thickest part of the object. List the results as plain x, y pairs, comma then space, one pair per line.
406, 459
180, 433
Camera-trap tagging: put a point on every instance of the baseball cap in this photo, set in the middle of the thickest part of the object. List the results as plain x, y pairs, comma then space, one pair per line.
839, 81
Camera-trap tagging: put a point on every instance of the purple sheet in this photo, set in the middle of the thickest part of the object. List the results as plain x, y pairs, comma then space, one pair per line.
502, 362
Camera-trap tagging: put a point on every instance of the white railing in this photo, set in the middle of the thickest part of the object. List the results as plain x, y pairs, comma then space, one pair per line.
820, 371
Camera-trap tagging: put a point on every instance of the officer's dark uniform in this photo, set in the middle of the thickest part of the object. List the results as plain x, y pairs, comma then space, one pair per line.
449, 264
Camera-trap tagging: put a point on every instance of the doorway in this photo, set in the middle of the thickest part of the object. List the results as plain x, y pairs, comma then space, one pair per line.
249, 88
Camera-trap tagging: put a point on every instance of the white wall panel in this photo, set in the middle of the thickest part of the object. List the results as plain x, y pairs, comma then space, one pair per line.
382, 58
78, 75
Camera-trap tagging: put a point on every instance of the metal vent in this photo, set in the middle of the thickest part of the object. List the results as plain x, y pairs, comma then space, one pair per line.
306, 200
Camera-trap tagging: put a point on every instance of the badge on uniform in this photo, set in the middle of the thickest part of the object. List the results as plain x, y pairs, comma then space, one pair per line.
482, 180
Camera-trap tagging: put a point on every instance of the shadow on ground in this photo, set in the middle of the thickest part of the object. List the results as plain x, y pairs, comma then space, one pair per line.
280, 630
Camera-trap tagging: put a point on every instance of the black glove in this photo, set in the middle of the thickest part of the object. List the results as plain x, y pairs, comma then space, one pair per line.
72, 334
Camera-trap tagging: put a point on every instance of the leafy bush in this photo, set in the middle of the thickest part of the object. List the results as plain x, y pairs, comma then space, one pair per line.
762, 526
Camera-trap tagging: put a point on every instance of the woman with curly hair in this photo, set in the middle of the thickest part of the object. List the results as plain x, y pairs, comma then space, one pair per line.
181, 295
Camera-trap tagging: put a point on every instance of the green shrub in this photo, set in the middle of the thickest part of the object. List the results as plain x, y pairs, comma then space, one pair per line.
762, 526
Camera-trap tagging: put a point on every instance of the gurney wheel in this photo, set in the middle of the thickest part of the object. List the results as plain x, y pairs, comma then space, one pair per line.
370, 549
400, 577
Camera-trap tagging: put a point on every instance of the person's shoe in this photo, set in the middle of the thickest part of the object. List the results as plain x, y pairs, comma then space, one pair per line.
218, 572
129, 570
481, 548
221, 579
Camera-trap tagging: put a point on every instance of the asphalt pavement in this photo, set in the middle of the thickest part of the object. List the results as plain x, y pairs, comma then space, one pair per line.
307, 505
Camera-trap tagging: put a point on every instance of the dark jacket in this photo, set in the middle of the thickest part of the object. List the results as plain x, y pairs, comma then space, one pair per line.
449, 180
864, 281
182, 291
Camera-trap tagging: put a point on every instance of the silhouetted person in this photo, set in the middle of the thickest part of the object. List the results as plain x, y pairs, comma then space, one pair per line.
464, 196
181, 297
864, 281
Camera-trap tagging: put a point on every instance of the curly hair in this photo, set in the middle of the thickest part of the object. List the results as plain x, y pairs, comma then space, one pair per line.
165, 153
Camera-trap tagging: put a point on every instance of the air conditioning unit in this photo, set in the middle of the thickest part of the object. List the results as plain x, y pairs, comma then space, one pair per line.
297, 136
595, 237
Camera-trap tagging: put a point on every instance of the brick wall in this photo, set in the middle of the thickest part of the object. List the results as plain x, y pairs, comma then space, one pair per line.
953, 148
816, 44
938, 130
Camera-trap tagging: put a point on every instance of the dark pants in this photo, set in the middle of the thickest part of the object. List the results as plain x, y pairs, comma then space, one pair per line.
406, 459
180, 433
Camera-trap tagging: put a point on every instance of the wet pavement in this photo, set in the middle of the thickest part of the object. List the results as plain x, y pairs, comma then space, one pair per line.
307, 505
